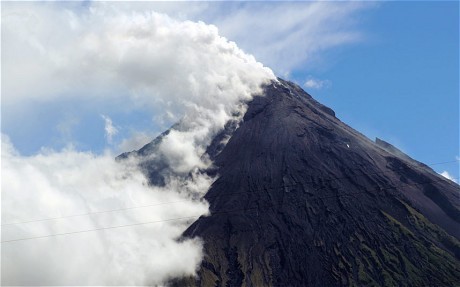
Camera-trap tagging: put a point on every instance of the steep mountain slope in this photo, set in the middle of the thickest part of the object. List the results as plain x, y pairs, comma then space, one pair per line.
304, 200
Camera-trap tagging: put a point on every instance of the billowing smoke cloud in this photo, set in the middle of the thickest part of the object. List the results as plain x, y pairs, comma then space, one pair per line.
133, 59
285, 35
129, 61
180, 70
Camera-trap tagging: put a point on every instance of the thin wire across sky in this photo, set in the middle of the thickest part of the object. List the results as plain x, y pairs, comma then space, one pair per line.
197, 216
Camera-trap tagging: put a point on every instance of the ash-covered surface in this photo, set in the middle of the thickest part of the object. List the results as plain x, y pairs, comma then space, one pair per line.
302, 199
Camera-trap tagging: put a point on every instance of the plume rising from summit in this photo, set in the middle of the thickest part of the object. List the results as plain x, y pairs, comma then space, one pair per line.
171, 70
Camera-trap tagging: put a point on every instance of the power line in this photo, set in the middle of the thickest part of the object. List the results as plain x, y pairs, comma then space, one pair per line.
208, 197
382, 172
442, 162
383, 188
98, 229
326, 180
93, 213
196, 216
190, 217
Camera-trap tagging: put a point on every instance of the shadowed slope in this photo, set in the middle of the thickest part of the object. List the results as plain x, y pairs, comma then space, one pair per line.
304, 200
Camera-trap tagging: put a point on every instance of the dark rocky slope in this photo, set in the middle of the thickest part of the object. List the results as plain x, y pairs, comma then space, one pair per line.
304, 200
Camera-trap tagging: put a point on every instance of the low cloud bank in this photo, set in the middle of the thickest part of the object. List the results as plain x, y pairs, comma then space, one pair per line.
98, 56
66, 183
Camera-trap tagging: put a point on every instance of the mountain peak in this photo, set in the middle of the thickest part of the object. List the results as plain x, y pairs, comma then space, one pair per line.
302, 199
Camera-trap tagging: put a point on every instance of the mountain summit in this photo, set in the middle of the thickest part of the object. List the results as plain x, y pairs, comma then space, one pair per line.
302, 199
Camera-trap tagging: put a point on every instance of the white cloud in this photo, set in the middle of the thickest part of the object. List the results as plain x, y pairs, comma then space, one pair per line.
312, 83
55, 184
131, 61
140, 59
290, 35
79, 61
100, 57
284, 35
448, 176
110, 129
135, 141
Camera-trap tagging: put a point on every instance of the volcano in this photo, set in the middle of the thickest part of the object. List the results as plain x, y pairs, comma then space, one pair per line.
302, 199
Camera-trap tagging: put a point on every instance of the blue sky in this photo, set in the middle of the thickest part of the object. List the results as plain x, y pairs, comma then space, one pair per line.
402, 83
388, 69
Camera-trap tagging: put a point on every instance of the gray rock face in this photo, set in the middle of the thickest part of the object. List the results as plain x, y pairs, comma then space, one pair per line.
302, 199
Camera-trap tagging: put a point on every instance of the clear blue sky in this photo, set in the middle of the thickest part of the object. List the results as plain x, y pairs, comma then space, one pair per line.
402, 83
391, 71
